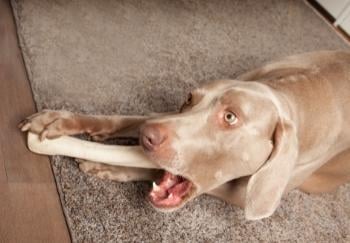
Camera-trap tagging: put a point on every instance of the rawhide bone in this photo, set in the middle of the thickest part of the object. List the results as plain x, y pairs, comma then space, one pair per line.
130, 156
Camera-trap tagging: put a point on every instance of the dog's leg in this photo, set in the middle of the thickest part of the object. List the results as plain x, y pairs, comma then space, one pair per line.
232, 192
331, 175
131, 131
53, 124
118, 173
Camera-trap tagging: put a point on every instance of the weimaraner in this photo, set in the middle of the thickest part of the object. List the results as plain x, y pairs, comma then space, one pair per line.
247, 141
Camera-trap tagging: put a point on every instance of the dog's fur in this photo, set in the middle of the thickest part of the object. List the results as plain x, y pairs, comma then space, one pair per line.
292, 131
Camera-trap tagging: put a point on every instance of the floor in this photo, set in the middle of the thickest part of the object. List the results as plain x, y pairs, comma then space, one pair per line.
328, 18
30, 210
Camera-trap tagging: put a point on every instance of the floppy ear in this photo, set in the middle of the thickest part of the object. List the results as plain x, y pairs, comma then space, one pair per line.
266, 187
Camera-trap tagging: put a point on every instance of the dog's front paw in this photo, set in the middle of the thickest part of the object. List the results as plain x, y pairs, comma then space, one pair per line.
100, 170
111, 172
50, 124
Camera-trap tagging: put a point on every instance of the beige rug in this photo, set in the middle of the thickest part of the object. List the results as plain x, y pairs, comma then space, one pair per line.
133, 57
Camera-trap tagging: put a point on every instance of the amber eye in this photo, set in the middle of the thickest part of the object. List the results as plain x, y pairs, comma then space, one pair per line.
189, 99
230, 118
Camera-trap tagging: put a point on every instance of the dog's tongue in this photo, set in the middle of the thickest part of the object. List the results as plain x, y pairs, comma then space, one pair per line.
169, 191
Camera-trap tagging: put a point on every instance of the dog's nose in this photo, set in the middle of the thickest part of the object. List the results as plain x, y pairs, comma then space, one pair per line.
152, 136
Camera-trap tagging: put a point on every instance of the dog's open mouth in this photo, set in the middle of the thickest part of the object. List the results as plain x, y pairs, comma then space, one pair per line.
170, 191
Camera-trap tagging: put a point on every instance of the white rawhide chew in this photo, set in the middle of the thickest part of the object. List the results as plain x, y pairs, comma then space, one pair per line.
130, 156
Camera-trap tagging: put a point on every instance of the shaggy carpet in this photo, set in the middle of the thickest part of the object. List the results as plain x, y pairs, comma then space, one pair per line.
134, 57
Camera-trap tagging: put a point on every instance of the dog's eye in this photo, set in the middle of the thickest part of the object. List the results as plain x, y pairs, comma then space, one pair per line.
230, 118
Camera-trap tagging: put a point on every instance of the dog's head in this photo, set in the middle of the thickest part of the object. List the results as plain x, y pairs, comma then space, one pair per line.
225, 130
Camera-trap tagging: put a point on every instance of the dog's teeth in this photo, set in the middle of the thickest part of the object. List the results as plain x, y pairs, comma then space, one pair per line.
155, 187
170, 182
171, 195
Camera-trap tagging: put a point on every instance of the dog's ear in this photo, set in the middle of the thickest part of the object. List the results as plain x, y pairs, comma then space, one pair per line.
266, 187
